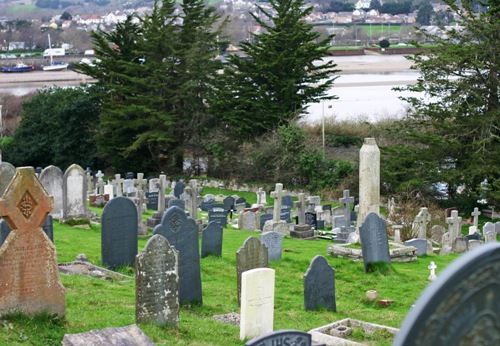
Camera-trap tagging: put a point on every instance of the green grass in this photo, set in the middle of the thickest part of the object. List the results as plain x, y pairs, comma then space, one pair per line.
92, 303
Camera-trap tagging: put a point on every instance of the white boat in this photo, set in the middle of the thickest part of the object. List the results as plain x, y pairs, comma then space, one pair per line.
54, 66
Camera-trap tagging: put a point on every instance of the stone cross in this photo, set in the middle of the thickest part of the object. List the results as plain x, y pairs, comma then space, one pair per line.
140, 182
301, 205
99, 175
475, 214
28, 262
423, 218
118, 182
194, 192
346, 201
454, 225
432, 267
261, 196
277, 195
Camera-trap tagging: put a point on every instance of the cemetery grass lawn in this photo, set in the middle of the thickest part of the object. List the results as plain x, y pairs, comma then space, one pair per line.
93, 303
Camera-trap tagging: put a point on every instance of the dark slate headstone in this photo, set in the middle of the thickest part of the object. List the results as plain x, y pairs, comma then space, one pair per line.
320, 224
327, 207
274, 243
461, 306
282, 337
182, 233
240, 200
157, 283
354, 216
311, 220
206, 206
286, 214
47, 227
152, 198
228, 203
119, 232
129, 175
319, 285
374, 241
287, 200
179, 189
218, 215
211, 240
473, 236
252, 254
179, 203
420, 244
264, 218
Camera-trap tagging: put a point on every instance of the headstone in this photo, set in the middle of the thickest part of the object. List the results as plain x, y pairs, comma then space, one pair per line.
312, 202
108, 190
319, 285
286, 214
248, 221
460, 306
287, 201
252, 254
346, 200
218, 215
475, 214
257, 302
140, 182
489, 227
311, 220
274, 243
454, 226
119, 336
129, 189
208, 204
374, 241
432, 267
261, 197
152, 197
264, 218
179, 203
157, 283
7, 172
52, 180
118, 183
460, 244
397, 233
119, 233
369, 180
139, 205
277, 195
423, 219
29, 273
490, 237
228, 203
74, 193
419, 244
302, 231
182, 233
437, 232
179, 189
473, 244
211, 240
282, 337
301, 209
154, 185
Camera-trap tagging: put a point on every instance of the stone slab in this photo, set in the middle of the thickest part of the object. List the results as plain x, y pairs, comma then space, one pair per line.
120, 336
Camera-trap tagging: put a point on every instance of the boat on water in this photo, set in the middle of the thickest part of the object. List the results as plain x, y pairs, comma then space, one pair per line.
19, 67
54, 66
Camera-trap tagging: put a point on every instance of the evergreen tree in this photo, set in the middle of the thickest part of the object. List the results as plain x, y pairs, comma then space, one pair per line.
454, 127
280, 74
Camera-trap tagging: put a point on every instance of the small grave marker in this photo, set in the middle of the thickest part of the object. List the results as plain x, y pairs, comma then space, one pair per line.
211, 240
319, 285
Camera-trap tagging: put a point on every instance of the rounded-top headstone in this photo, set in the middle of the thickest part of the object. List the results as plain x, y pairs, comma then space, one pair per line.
461, 307
7, 172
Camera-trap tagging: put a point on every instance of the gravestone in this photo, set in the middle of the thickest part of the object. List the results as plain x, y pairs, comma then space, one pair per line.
274, 243
437, 232
182, 233
157, 283
261, 197
423, 219
264, 218
460, 244
211, 240
252, 254
277, 195
374, 241
218, 215
490, 237
179, 203
475, 214
75, 193
119, 336
300, 206
207, 205
228, 203
52, 180
257, 302
454, 226
488, 227
473, 244
287, 201
7, 172
119, 232
460, 306
282, 337
346, 200
248, 220
139, 205
369, 180
286, 214
319, 285
419, 244
118, 183
154, 184
311, 220
152, 200
29, 273
108, 190
179, 189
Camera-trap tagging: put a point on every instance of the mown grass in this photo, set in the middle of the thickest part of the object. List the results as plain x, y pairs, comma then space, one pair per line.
93, 303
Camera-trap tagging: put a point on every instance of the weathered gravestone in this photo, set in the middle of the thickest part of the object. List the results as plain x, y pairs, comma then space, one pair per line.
488, 227
252, 254
29, 273
119, 232
182, 233
211, 240
437, 232
490, 237
157, 283
311, 220
274, 243
419, 244
248, 220
282, 337
461, 306
7, 172
179, 189
374, 241
218, 215
257, 302
119, 336
319, 285
74, 193
52, 180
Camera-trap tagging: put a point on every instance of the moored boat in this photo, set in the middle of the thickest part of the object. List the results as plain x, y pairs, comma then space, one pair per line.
19, 67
